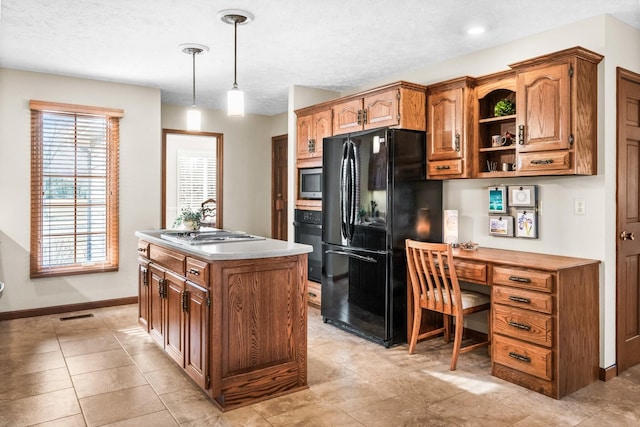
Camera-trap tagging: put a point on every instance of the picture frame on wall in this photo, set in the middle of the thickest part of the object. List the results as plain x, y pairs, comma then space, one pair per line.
501, 226
497, 199
523, 195
526, 224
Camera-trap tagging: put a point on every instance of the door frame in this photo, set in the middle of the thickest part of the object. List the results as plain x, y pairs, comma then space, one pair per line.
219, 171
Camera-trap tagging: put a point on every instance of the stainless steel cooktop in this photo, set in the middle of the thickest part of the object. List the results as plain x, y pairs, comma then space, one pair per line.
207, 237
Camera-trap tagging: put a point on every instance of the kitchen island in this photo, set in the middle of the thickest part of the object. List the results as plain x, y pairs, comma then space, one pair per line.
232, 314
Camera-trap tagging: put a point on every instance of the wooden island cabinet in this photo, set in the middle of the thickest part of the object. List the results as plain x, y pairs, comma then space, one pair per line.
232, 315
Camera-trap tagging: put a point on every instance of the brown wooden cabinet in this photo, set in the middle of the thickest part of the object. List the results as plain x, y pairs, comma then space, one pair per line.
544, 316
545, 327
556, 120
236, 327
450, 129
311, 129
398, 105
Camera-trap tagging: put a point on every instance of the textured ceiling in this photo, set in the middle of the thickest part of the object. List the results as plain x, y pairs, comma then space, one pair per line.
327, 44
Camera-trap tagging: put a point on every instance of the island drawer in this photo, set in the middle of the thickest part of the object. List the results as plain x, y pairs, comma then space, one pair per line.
524, 357
523, 298
523, 324
143, 248
523, 278
167, 258
198, 272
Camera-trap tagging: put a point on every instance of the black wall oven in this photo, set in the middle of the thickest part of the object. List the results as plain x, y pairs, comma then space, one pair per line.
308, 230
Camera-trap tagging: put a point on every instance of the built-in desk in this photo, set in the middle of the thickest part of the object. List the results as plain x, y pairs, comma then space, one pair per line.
544, 316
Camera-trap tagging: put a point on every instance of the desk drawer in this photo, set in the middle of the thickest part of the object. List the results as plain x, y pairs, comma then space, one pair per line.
523, 278
198, 272
528, 358
523, 324
169, 259
471, 271
523, 298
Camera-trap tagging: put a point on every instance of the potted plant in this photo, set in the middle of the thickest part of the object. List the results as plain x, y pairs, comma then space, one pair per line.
189, 218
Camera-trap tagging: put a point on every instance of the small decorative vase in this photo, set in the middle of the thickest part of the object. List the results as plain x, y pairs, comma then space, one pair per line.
190, 225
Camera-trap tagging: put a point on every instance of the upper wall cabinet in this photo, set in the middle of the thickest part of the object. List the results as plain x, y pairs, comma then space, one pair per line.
311, 129
556, 119
450, 130
398, 105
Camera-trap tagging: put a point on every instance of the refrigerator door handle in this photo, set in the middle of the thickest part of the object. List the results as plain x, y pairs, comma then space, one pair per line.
353, 183
351, 255
343, 188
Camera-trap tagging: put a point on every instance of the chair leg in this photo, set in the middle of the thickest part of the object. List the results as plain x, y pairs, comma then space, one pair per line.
417, 320
446, 319
457, 342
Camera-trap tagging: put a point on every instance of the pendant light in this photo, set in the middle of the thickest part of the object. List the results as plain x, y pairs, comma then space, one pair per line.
235, 97
194, 118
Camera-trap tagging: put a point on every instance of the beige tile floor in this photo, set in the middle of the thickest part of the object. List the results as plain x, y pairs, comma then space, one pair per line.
104, 370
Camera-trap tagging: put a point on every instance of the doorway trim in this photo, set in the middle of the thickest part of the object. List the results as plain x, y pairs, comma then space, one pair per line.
219, 172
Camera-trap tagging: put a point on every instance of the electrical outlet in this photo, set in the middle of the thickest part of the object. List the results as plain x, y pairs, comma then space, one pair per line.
579, 207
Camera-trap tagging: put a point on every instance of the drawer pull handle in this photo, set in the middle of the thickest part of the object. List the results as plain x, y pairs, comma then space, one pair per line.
142, 250
443, 167
542, 162
519, 299
312, 295
520, 279
194, 272
520, 326
519, 357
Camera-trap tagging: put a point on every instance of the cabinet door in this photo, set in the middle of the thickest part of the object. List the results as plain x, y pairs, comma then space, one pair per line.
445, 113
381, 109
347, 117
322, 128
143, 294
174, 336
156, 306
196, 334
543, 115
304, 134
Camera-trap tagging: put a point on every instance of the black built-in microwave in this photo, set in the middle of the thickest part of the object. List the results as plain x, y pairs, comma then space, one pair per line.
310, 183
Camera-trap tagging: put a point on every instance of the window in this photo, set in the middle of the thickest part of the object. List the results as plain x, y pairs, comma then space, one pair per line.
196, 178
74, 189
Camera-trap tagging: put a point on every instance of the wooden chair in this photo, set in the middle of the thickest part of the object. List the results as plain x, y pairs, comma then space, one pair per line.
208, 213
435, 286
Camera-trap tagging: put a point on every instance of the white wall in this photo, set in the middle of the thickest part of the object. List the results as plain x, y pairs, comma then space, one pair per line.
561, 232
139, 189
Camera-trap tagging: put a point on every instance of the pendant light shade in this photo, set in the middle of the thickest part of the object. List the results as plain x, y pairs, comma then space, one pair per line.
194, 117
235, 102
235, 97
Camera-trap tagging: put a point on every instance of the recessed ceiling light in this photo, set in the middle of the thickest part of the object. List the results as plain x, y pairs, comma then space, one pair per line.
474, 31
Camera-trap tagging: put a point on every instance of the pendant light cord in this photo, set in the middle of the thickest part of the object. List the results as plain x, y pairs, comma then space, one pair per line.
193, 54
235, 52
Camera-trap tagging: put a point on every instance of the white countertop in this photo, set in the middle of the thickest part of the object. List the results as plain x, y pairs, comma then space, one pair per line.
267, 248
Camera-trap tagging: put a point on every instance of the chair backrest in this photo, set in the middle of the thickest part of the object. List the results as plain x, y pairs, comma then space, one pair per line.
209, 212
433, 276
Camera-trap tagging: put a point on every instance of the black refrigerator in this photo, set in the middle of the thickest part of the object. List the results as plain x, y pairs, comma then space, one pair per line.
375, 195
